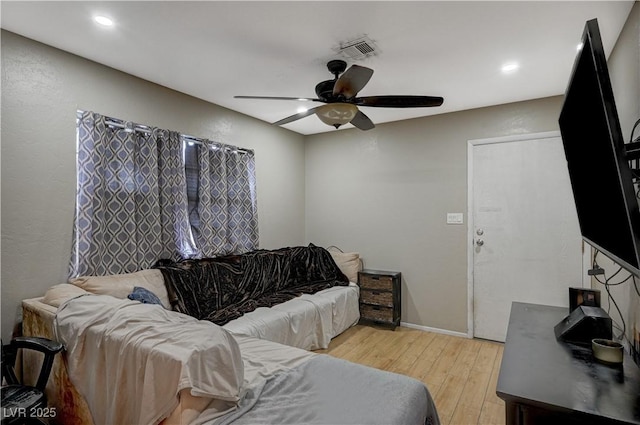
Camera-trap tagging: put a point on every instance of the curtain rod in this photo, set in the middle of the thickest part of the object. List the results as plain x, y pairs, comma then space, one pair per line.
117, 123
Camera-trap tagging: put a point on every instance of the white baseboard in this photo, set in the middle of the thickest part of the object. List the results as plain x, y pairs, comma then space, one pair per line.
435, 330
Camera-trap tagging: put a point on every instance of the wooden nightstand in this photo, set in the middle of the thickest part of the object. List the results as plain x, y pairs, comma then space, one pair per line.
380, 297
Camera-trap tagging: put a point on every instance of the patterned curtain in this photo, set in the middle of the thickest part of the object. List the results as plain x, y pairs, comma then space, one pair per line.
131, 204
223, 207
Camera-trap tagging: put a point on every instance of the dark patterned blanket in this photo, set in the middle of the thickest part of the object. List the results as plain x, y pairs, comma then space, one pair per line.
224, 288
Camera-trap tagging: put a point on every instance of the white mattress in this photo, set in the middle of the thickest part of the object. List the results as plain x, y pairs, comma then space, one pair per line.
308, 322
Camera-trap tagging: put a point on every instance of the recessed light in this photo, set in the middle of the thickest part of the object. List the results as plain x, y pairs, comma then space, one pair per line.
510, 67
103, 20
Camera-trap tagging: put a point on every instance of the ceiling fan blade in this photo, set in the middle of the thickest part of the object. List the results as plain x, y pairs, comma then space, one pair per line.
296, 117
398, 101
362, 121
352, 81
279, 98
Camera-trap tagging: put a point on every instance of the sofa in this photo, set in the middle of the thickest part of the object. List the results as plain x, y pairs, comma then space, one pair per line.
198, 371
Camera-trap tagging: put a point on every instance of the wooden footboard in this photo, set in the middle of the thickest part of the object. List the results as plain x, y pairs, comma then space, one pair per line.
68, 406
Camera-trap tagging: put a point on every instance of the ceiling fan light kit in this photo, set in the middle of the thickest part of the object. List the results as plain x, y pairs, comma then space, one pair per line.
336, 114
341, 103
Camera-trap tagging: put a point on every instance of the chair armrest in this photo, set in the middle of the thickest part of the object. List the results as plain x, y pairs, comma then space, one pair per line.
44, 345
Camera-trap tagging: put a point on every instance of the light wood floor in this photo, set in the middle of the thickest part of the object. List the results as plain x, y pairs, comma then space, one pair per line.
461, 373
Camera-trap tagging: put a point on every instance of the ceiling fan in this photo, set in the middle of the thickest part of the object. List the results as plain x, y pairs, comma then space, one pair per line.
340, 101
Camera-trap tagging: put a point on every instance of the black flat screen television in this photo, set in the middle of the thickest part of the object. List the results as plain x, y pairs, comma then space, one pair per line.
598, 165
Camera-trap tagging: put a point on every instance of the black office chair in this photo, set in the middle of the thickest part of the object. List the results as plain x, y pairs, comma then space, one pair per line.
22, 404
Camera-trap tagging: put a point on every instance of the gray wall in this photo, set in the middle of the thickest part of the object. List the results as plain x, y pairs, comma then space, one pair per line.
386, 192
42, 88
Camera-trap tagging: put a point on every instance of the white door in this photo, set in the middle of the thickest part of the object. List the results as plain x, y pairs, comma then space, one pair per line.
525, 242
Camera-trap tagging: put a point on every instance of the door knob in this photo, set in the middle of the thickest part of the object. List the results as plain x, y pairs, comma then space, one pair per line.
479, 232
479, 242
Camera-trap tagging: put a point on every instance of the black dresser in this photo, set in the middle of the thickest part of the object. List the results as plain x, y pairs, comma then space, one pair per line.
545, 381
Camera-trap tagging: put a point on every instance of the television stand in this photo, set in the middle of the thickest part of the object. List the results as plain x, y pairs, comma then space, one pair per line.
545, 381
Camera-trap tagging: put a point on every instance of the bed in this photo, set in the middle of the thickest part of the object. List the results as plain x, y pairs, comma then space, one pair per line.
309, 321
288, 324
160, 366
214, 377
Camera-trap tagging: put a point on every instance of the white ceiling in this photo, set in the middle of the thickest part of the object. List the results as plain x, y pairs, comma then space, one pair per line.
214, 50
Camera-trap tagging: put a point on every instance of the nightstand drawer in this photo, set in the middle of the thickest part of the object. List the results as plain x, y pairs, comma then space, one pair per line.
384, 283
376, 297
372, 312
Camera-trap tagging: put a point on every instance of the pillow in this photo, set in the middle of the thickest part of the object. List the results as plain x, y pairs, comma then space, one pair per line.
58, 294
121, 285
144, 295
348, 263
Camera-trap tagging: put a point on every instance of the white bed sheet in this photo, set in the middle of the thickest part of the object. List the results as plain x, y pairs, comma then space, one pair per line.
143, 356
308, 322
287, 385
262, 359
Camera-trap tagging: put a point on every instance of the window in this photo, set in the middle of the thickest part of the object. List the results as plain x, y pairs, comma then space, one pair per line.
145, 193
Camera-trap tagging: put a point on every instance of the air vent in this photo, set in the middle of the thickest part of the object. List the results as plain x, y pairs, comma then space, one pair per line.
359, 48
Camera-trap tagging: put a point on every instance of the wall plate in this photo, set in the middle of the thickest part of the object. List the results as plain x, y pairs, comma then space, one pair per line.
455, 218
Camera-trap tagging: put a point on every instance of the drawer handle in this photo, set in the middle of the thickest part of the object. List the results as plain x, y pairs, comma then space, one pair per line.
375, 277
375, 308
375, 293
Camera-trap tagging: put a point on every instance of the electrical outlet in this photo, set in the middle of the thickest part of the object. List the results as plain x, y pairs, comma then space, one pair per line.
455, 218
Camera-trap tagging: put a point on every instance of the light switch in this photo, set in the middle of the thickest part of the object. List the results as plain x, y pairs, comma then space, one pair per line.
455, 218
